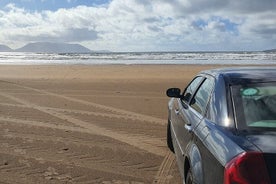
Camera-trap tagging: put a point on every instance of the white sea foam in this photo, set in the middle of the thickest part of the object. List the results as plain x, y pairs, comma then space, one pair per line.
223, 58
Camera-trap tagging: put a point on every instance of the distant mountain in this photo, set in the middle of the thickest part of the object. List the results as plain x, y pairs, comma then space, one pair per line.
47, 47
271, 50
4, 48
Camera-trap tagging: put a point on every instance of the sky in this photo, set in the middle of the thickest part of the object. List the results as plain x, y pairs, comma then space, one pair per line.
141, 25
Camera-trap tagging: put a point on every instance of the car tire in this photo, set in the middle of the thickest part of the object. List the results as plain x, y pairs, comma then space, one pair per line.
189, 177
169, 137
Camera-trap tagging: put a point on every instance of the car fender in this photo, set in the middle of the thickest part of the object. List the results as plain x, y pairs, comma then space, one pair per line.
195, 160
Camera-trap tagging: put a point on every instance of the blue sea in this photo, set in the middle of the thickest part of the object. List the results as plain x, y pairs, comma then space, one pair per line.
136, 58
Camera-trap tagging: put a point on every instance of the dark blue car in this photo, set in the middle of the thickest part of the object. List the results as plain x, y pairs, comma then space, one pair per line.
222, 127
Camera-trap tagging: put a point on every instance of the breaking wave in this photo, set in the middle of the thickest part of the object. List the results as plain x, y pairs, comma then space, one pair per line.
223, 58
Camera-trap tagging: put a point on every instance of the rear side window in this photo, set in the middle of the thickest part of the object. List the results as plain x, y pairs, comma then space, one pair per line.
202, 96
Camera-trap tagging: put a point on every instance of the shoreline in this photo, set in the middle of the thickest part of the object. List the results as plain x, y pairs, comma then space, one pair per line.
62, 63
96, 71
106, 70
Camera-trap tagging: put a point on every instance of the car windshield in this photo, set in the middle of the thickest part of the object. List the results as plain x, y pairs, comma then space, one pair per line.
256, 105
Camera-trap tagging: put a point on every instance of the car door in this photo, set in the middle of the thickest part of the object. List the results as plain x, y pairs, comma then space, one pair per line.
178, 116
193, 112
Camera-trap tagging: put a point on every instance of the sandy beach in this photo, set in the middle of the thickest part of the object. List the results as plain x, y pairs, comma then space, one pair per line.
87, 124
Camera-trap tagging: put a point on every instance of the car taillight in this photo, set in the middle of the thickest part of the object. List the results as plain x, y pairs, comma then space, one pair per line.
246, 168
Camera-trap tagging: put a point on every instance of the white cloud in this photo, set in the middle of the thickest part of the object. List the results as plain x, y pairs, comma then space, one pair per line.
129, 25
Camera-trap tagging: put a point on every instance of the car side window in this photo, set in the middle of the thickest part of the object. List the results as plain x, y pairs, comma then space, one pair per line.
191, 88
202, 96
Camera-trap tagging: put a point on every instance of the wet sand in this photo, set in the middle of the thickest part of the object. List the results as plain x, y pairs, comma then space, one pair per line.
87, 124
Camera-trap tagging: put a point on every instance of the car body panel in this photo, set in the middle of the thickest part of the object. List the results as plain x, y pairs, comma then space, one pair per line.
264, 141
219, 111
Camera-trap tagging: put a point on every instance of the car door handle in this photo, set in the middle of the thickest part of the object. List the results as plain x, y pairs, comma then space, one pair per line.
176, 111
188, 127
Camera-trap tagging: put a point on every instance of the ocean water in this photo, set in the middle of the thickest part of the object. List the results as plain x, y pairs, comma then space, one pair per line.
129, 58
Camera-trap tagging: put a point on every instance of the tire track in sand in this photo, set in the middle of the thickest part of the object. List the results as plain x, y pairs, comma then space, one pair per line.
74, 156
133, 115
163, 174
149, 144
99, 114
43, 125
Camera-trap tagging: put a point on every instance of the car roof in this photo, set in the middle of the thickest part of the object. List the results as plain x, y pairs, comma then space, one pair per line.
244, 75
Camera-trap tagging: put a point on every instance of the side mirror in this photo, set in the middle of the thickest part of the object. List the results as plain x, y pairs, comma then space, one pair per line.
174, 92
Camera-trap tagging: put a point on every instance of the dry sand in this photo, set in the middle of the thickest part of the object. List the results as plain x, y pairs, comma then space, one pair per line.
87, 124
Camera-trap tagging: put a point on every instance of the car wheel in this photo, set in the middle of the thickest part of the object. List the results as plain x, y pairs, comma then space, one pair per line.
169, 137
189, 177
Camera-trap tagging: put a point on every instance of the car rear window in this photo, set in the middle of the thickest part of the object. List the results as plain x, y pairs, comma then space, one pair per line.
255, 105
